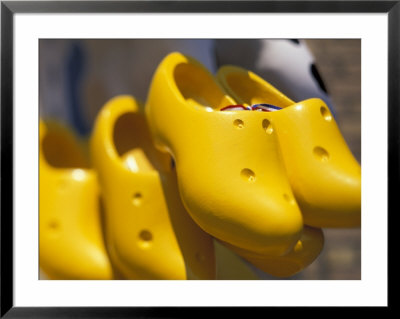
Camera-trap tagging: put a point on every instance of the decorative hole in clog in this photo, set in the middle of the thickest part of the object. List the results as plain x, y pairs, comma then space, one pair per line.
266, 124
321, 154
326, 114
238, 123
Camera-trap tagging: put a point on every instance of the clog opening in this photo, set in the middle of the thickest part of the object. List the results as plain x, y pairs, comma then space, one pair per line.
199, 87
61, 150
134, 145
250, 91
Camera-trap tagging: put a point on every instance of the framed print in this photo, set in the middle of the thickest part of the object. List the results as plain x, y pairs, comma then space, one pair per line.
160, 158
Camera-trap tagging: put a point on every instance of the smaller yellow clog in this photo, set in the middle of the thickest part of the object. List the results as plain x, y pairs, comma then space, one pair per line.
323, 173
231, 175
71, 242
149, 234
306, 250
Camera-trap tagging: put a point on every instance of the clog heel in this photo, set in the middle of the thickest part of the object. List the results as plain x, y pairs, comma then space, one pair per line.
70, 237
149, 234
324, 175
306, 250
230, 172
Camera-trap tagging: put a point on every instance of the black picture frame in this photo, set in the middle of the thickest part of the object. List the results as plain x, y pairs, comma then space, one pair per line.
9, 8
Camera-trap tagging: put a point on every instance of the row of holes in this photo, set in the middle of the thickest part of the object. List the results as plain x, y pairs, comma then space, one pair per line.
238, 123
319, 152
145, 236
266, 124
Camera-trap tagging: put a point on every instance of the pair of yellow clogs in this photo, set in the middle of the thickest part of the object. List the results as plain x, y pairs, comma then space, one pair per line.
252, 179
249, 179
129, 200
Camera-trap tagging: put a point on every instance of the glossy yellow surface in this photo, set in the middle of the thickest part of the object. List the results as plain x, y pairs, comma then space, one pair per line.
324, 175
301, 256
149, 234
231, 175
70, 238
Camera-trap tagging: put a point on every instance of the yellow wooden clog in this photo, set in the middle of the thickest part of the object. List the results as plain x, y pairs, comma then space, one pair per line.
231, 176
70, 237
324, 175
149, 234
301, 256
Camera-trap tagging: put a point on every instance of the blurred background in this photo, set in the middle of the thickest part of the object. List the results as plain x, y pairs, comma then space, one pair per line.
77, 77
